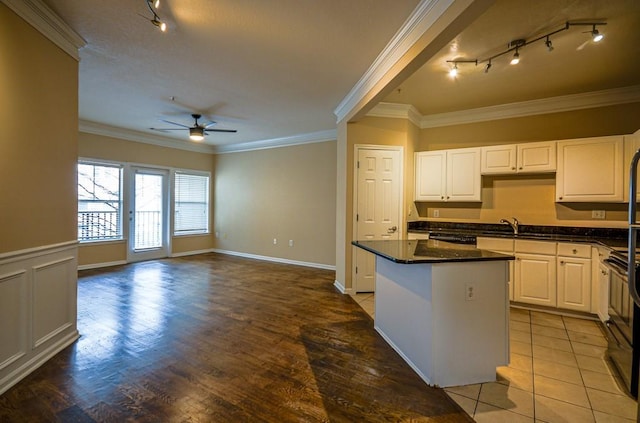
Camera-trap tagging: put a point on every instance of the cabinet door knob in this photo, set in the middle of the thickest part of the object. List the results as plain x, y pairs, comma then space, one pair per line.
562, 262
442, 197
520, 167
575, 251
513, 168
559, 198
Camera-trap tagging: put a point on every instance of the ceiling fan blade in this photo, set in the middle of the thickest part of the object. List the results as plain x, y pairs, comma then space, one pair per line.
167, 129
175, 123
211, 123
221, 130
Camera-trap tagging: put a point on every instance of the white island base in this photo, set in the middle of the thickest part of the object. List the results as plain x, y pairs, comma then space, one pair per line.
449, 321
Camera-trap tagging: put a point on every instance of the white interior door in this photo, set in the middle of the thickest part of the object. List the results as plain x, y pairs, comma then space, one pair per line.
378, 207
148, 214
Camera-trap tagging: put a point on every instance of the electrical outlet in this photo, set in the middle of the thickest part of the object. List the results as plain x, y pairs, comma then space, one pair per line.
598, 214
436, 213
290, 243
275, 241
470, 293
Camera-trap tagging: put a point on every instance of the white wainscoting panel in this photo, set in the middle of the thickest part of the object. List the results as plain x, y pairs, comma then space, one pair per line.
13, 317
38, 308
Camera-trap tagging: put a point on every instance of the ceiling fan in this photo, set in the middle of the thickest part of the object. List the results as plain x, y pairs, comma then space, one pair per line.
198, 131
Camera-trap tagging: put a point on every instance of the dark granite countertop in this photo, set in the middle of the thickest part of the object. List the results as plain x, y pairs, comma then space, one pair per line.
613, 238
427, 251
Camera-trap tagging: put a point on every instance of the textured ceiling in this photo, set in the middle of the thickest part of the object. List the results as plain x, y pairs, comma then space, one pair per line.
575, 65
278, 68
268, 68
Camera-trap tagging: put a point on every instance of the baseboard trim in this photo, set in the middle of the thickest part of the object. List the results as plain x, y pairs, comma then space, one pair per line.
275, 259
192, 253
28, 367
100, 265
340, 287
407, 360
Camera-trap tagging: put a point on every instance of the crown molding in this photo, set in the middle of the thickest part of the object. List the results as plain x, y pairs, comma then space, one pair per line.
308, 138
420, 20
543, 106
136, 136
398, 111
41, 17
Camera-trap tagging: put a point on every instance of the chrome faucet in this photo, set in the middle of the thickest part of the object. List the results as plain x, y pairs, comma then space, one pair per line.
513, 225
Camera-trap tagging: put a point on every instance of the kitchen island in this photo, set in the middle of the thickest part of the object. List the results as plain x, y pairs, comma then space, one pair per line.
443, 307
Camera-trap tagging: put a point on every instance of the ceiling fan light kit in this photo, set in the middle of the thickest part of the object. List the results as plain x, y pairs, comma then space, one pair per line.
518, 44
197, 132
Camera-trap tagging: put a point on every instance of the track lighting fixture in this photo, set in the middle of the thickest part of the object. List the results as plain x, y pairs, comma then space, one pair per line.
453, 72
516, 45
153, 5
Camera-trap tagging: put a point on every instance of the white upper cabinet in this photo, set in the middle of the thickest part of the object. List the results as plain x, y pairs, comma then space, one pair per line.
519, 158
590, 170
632, 144
448, 175
431, 175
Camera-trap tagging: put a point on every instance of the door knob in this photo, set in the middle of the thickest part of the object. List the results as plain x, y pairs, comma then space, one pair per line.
392, 229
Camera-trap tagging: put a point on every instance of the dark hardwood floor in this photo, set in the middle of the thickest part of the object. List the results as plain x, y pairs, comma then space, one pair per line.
215, 338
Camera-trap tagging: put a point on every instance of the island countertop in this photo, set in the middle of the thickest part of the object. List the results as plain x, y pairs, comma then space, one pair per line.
427, 251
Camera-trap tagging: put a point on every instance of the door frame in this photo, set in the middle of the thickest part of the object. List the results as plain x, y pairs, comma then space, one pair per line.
164, 251
401, 200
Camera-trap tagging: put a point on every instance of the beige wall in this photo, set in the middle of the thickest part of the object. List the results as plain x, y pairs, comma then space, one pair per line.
38, 138
107, 148
377, 131
530, 198
612, 120
287, 193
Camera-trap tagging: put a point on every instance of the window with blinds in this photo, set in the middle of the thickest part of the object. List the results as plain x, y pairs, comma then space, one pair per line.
99, 202
191, 204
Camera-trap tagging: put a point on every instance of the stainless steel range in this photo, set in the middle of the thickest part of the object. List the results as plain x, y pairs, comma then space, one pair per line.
623, 326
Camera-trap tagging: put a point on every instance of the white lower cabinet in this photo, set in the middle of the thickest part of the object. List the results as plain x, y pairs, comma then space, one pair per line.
574, 283
574, 276
551, 274
535, 279
503, 246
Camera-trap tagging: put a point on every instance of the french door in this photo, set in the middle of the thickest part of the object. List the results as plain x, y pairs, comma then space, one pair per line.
148, 214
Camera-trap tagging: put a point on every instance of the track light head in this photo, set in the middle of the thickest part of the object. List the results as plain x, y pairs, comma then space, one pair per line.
487, 67
151, 4
549, 45
516, 58
157, 22
453, 72
596, 35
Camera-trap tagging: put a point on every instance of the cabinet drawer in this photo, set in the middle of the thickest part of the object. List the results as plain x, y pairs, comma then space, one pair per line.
535, 247
574, 250
495, 244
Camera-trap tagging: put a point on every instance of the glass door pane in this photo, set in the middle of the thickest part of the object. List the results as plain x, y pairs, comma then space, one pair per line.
148, 224
148, 211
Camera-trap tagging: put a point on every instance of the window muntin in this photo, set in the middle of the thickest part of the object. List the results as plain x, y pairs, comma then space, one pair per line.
191, 208
99, 202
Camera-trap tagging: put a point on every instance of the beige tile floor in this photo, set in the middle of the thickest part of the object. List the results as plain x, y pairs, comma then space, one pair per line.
558, 373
